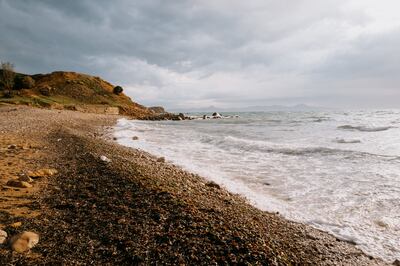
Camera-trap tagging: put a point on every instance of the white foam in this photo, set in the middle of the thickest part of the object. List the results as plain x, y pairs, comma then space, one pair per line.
296, 169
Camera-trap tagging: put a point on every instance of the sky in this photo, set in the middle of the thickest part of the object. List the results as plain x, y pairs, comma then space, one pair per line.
223, 53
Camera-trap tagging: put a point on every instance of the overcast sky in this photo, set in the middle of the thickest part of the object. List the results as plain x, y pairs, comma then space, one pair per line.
224, 53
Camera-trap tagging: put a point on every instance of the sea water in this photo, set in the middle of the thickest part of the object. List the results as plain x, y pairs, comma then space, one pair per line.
338, 171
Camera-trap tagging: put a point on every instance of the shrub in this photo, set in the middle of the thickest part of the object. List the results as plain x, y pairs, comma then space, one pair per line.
118, 90
8, 93
24, 82
7, 75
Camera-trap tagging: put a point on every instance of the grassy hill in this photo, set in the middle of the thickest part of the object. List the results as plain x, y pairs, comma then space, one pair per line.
70, 90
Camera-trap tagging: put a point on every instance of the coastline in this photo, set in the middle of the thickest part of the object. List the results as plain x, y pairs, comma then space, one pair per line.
137, 209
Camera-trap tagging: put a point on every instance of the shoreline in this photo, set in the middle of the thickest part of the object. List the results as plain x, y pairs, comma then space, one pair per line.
137, 209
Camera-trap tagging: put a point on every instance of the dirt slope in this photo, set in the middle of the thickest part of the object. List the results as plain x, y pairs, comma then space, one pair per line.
68, 90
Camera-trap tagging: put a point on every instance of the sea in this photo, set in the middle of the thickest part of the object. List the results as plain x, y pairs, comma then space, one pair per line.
338, 171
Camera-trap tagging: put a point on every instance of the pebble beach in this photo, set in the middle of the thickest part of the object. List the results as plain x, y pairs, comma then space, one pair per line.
104, 204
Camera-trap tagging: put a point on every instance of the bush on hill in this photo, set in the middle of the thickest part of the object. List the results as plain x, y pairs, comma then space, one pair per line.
23, 82
118, 90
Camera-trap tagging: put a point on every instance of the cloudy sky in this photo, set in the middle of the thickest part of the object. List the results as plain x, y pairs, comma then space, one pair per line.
224, 53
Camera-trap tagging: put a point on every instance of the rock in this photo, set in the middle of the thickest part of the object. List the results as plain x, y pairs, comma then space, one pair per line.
12, 147
43, 173
16, 224
396, 262
213, 185
161, 160
157, 109
18, 183
181, 116
216, 115
3, 236
25, 178
24, 241
105, 159
135, 138
46, 90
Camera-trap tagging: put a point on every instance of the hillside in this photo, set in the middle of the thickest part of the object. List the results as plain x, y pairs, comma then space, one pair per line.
74, 91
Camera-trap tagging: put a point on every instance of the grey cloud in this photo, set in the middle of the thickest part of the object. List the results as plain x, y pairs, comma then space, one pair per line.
216, 51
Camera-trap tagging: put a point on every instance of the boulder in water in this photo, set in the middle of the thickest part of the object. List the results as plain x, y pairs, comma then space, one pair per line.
181, 116
216, 115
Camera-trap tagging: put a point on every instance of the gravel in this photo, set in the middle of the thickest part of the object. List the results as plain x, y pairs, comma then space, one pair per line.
132, 210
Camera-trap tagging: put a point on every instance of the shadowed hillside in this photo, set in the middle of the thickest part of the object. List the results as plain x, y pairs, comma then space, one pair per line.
70, 90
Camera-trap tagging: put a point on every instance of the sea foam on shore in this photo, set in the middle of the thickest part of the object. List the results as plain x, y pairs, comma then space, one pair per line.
336, 171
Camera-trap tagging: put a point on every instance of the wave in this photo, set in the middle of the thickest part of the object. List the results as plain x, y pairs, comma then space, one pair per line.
350, 141
230, 142
235, 144
364, 129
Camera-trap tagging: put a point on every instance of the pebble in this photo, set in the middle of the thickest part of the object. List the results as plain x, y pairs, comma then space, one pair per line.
42, 173
24, 241
18, 183
16, 224
213, 184
3, 236
135, 138
161, 160
12, 147
105, 159
25, 178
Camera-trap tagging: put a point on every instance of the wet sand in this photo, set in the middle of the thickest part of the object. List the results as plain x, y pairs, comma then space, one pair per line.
135, 209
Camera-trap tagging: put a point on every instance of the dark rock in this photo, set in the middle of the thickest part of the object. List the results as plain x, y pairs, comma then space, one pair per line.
46, 90
18, 183
213, 185
135, 138
216, 115
182, 116
161, 160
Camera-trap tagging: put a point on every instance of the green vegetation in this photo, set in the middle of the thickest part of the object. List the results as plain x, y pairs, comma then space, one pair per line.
7, 75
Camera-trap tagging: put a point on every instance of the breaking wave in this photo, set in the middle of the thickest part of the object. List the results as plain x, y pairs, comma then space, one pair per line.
364, 128
347, 141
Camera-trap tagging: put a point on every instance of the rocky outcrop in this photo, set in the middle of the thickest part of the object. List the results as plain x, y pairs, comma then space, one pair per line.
157, 109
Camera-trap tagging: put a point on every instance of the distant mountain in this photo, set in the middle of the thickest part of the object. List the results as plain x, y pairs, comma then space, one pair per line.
269, 108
